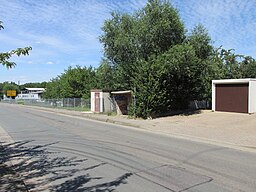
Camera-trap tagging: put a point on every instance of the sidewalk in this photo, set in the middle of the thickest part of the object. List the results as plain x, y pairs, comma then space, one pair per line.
234, 130
9, 179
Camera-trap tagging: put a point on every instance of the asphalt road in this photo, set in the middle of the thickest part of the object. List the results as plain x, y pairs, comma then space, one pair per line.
63, 153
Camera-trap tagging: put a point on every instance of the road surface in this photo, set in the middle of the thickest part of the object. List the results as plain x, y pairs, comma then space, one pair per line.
55, 152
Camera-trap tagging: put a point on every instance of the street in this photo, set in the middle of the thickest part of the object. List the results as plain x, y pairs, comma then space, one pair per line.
56, 152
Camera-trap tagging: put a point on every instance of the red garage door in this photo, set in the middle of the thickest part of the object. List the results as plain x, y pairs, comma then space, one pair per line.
232, 97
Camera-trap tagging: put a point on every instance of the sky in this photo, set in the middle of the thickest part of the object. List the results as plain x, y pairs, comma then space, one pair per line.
66, 33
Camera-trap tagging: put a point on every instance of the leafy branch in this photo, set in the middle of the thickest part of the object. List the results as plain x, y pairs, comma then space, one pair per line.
5, 56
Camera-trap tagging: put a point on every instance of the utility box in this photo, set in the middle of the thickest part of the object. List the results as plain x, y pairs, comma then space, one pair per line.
101, 101
234, 95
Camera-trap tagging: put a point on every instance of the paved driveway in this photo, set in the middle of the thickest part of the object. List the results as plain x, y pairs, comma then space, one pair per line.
220, 127
234, 130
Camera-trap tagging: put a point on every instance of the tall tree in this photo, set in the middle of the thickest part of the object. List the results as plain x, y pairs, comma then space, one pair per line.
159, 27
105, 76
182, 75
228, 62
201, 42
131, 39
53, 89
5, 56
133, 42
248, 67
73, 83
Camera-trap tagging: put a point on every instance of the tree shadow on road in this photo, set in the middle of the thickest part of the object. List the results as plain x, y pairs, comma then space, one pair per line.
27, 167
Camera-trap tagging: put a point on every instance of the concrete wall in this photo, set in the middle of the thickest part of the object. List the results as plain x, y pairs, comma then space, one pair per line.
105, 101
93, 101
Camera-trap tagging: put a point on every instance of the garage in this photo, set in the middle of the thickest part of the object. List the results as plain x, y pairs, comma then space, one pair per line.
234, 95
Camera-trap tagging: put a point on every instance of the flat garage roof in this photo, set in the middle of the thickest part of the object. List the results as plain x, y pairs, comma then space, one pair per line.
231, 81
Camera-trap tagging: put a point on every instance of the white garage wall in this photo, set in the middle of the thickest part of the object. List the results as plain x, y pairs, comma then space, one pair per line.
213, 96
252, 97
93, 101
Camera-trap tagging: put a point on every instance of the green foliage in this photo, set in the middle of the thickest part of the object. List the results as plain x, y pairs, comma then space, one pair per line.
248, 67
150, 94
1, 90
73, 83
5, 56
10, 86
5, 86
53, 89
132, 42
130, 39
228, 62
105, 76
159, 27
33, 85
201, 42
168, 82
183, 72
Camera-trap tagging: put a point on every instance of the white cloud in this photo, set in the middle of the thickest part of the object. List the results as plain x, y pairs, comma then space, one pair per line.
50, 63
230, 23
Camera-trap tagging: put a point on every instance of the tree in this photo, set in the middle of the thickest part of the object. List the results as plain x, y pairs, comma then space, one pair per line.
131, 39
5, 56
73, 83
201, 42
248, 67
53, 89
182, 75
151, 95
33, 85
105, 76
10, 86
228, 62
159, 27
133, 42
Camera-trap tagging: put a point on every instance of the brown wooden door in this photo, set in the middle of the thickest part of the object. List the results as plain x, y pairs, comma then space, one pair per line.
97, 102
232, 97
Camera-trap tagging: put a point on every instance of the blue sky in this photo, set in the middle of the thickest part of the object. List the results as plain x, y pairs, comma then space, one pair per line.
65, 33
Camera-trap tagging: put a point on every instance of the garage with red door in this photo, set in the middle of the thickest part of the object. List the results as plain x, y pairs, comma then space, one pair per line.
234, 95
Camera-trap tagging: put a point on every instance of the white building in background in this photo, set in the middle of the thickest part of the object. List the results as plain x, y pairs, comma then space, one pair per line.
31, 93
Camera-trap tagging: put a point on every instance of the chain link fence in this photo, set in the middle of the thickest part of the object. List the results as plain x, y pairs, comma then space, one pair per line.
69, 103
